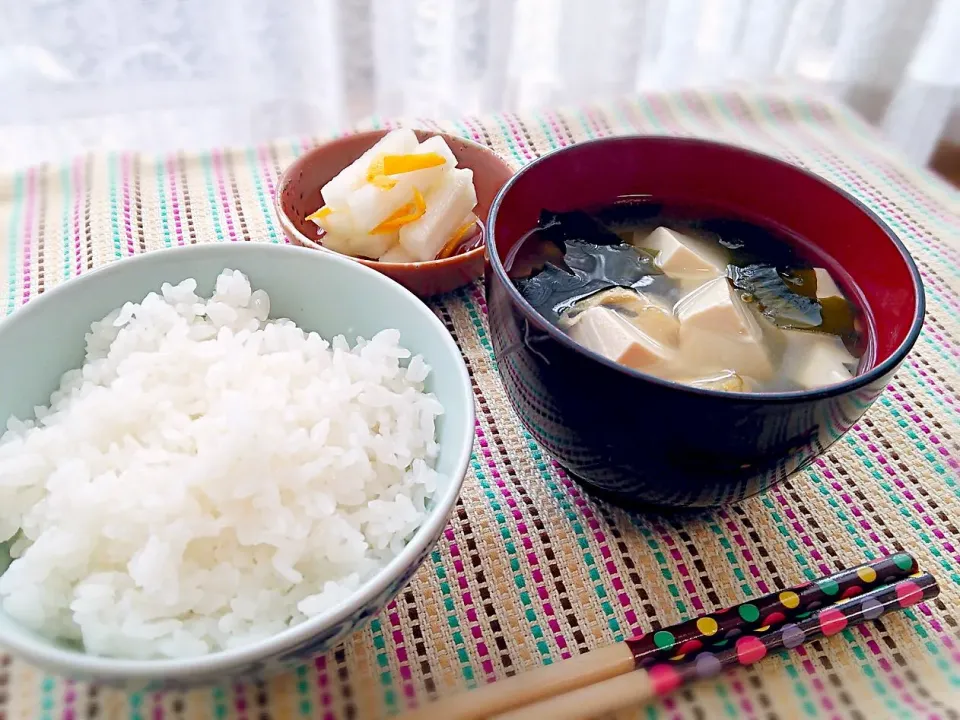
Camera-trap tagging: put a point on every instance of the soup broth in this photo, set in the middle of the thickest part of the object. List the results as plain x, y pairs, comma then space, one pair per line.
688, 295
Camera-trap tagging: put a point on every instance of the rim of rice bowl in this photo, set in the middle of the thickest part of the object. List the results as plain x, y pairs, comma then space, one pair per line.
43, 652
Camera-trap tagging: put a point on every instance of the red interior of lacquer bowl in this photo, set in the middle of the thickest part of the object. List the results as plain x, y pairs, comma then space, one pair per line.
871, 264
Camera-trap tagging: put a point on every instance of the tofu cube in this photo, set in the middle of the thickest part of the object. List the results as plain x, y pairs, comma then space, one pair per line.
715, 307
815, 359
608, 333
681, 256
826, 286
717, 332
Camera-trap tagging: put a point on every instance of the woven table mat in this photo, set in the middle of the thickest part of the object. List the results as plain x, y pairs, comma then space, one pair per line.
531, 569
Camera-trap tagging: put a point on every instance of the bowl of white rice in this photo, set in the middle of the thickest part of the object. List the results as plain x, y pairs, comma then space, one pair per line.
218, 461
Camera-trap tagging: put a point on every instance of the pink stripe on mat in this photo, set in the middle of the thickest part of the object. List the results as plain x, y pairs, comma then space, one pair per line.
158, 711
671, 545
323, 687
400, 648
460, 577
668, 541
861, 519
583, 505
470, 125
217, 162
744, 551
595, 126
946, 344
69, 700
946, 295
240, 701
28, 213
175, 199
594, 523
558, 133
924, 428
268, 172
125, 161
512, 122
876, 196
78, 193
934, 384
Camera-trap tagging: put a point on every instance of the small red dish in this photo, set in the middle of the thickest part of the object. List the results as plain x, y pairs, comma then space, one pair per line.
298, 195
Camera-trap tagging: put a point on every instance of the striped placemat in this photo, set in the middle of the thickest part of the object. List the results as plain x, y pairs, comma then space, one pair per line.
530, 568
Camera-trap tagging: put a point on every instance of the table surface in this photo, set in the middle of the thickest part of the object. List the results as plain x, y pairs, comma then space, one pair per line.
531, 569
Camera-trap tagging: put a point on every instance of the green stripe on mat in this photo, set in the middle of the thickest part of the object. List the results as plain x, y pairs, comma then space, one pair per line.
12, 253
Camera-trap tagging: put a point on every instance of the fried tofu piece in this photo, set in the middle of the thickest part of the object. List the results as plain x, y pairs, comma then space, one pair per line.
726, 380
607, 332
640, 310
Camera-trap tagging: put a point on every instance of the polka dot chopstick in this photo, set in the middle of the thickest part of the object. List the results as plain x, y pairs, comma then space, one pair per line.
663, 677
717, 630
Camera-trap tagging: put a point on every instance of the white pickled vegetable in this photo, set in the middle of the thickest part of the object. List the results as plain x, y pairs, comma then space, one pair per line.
398, 186
397, 254
372, 246
447, 207
371, 204
341, 235
337, 243
425, 179
339, 222
397, 142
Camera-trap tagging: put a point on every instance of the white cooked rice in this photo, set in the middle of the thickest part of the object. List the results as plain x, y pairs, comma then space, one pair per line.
210, 477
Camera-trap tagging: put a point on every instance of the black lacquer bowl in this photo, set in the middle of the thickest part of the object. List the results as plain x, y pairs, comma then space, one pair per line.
643, 440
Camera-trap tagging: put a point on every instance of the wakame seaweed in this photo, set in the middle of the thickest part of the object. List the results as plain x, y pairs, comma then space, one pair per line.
775, 298
789, 298
594, 259
562, 227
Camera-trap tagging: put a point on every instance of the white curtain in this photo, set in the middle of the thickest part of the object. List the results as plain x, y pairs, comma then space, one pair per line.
162, 75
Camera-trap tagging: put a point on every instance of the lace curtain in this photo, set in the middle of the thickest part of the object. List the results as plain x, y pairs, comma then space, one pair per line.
159, 75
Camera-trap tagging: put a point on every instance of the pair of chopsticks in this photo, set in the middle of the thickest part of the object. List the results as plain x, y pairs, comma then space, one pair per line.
655, 664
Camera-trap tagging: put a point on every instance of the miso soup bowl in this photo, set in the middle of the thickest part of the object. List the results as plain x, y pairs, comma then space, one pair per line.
642, 440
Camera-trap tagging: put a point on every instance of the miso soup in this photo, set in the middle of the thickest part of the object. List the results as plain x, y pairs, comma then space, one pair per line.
690, 295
